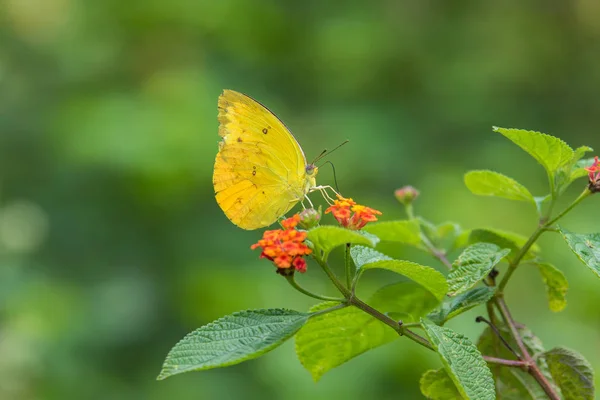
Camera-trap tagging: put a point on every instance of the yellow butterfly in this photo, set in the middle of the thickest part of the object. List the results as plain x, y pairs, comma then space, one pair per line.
260, 170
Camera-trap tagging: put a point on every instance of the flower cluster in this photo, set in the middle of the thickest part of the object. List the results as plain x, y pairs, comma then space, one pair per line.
594, 175
351, 215
285, 247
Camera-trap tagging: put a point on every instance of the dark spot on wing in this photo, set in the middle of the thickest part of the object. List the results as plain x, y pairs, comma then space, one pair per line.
265, 131
254, 173
239, 139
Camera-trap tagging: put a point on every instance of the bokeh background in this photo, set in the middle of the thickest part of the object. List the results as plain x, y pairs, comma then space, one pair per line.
112, 245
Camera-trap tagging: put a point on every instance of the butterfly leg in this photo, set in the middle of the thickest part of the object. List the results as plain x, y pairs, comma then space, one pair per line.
323, 190
309, 202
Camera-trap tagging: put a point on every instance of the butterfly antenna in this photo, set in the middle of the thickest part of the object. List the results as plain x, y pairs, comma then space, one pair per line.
334, 175
324, 152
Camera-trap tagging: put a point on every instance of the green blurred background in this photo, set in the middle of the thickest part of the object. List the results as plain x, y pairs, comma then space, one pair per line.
112, 245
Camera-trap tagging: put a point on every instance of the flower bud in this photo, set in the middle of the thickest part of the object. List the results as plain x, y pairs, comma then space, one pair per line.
310, 218
406, 195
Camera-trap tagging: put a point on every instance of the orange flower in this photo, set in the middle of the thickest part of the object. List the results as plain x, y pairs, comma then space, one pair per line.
594, 175
343, 208
285, 247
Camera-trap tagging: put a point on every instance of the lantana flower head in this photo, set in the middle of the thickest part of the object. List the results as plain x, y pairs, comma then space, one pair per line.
351, 215
285, 247
594, 175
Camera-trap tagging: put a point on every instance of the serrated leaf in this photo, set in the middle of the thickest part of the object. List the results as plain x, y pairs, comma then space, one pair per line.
586, 247
502, 239
232, 339
474, 264
437, 385
556, 286
580, 152
572, 373
462, 361
329, 340
453, 306
513, 383
432, 280
326, 238
408, 298
490, 183
402, 231
551, 152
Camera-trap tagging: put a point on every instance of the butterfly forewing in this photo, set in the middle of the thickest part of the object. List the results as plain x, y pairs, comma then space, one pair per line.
260, 168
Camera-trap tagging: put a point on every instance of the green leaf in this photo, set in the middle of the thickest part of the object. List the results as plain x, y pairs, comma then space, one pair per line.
513, 383
580, 152
586, 247
451, 307
490, 183
437, 385
408, 298
579, 169
502, 239
232, 339
438, 233
556, 286
374, 239
432, 280
474, 264
448, 229
551, 152
572, 373
329, 340
326, 238
402, 231
463, 362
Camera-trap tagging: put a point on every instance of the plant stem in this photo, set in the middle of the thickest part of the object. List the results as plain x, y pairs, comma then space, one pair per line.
330, 309
408, 208
502, 361
292, 281
512, 266
532, 367
397, 326
534, 236
587, 192
334, 279
499, 336
353, 300
435, 252
348, 265
525, 357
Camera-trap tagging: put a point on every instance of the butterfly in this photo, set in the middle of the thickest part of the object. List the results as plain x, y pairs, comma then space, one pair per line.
260, 170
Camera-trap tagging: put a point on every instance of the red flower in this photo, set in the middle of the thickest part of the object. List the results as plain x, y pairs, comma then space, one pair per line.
343, 209
594, 175
285, 247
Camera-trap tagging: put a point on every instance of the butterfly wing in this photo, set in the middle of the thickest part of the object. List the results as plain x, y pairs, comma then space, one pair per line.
260, 169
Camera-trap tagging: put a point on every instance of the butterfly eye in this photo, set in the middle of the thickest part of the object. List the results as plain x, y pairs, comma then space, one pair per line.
311, 169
